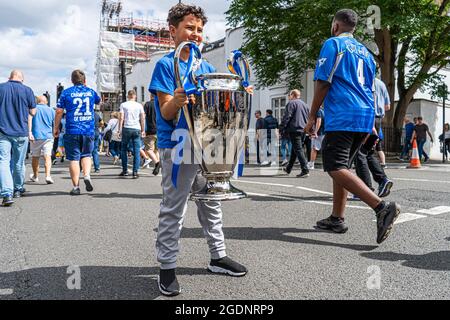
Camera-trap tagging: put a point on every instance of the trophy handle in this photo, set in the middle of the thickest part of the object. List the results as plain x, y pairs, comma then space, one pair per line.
194, 52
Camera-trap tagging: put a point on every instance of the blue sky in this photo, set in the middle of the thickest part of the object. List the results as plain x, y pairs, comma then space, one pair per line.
47, 39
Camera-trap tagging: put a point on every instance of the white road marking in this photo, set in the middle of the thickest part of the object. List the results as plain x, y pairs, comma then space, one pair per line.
421, 180
6, 292
309, 201
405, 217
285, 186
435, 211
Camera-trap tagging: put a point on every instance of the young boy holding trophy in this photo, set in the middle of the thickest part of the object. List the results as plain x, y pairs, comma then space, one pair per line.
186, 23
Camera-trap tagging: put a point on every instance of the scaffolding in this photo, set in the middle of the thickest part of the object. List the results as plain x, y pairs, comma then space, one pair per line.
125, 39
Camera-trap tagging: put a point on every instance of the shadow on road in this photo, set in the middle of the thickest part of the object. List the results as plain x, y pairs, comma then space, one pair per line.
275, 234
439, 261
96, 282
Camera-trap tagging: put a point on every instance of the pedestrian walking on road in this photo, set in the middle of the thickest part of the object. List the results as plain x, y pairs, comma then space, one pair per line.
294, 122
383, 104
150, 135
345, 75
131, 130
317, 138
78, 102
259, 126
113, 138
420, 133
409, 129
42, 144
17, 107
271, 137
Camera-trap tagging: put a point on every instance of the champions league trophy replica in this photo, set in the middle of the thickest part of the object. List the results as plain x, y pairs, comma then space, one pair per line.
217, 119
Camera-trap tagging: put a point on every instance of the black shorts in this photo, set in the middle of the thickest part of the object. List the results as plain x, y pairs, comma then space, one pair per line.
339, 149
379, 146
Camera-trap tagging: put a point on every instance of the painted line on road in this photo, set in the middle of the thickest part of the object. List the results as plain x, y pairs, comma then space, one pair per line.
421, 180
406, 217
285, 186
435, 211
6, 292
308, 201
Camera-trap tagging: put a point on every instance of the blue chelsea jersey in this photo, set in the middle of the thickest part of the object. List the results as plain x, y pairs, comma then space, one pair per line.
79, 102
350, 69
163, 80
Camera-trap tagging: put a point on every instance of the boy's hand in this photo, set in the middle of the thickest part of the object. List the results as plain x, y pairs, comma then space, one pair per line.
180, 98
309, 128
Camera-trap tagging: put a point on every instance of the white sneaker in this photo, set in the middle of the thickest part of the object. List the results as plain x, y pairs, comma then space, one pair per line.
116, 158
311, 165
49, 180
285, 162
273, 164
265, 163
33, 178
147, 163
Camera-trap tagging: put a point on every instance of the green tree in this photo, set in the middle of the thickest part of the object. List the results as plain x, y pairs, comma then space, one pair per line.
411, 43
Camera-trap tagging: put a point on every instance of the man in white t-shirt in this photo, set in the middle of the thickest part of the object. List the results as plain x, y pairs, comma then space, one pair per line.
131, 129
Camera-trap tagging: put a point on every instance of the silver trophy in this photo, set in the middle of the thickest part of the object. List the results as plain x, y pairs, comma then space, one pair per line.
217, 123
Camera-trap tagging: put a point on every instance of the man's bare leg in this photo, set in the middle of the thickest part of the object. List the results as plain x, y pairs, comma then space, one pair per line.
86, 164
35, 166
74, 169
339, 200
48, 165
345, 179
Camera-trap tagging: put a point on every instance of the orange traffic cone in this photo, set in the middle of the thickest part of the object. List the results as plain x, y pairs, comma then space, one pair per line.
415, 161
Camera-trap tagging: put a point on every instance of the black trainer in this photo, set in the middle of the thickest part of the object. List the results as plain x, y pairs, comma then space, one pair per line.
285, 170
334, 224
227, 266
385, 188
124, 174
168, 283
7, 201
75, 192
157, 168
385, 220
303, 174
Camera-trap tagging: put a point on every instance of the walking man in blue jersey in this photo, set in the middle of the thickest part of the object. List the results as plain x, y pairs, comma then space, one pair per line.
79, 102
344, 76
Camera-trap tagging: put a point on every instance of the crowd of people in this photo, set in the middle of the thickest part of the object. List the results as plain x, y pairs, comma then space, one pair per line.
341, 123
74, 131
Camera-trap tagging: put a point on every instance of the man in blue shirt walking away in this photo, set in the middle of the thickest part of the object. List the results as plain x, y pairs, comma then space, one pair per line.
344, 76
17, 104
79, 102
42, 130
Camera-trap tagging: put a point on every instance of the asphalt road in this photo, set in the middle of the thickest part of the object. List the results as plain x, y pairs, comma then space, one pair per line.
101, 245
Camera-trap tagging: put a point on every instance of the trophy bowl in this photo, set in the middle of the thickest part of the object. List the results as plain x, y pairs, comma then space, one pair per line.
219, 118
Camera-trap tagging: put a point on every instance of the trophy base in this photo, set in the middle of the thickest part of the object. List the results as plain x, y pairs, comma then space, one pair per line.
218, 191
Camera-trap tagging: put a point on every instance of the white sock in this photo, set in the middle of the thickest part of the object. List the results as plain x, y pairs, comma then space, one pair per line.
88, 177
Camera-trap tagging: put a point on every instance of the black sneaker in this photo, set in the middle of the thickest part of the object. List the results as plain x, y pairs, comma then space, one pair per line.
124, 174
157, 168
336, 225
227, 266
303, 174
286, 170
88, 183
75, 192
168, 283
7, 201
135, 175
385, 220
385, 188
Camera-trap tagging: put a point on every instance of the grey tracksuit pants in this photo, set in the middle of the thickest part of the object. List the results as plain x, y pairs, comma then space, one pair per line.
173, 208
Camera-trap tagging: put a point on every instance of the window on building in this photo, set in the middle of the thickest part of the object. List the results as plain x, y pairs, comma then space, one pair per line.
278, 107
143, 94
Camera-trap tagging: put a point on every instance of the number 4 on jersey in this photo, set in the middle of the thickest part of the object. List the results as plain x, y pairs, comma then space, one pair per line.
361, 78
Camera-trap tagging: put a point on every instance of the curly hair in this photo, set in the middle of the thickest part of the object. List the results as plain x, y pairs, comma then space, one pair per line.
179, 11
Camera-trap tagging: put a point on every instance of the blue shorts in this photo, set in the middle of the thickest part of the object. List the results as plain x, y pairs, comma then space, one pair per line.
78, 146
